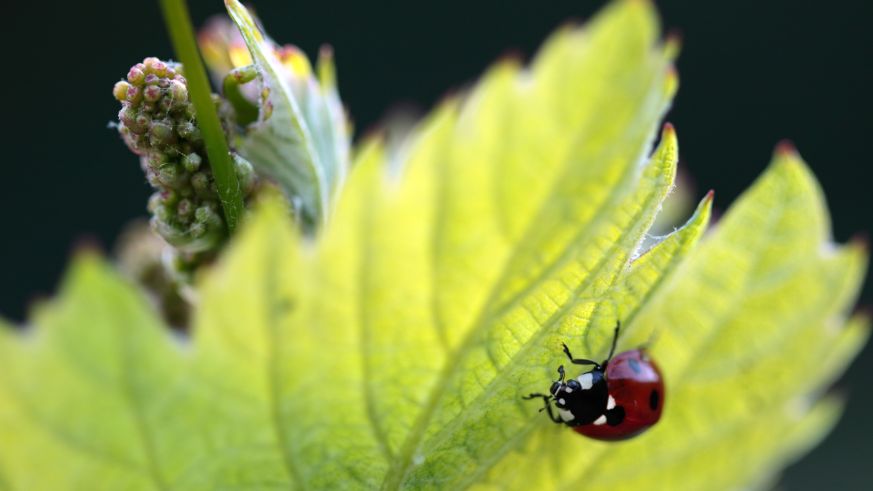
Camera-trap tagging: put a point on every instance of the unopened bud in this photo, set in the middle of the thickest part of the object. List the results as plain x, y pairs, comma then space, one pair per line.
185, 209
178, 92
207, 214
119, 91
161, 133
157, 159
200, 183
186, 191
150, 63
161, 212
197, 229
159, 68
142, 123
134, 94
191, 162
189, 131
127, 116
154, 202
136, 76
245, 173
152, 93
165, 105
169, 175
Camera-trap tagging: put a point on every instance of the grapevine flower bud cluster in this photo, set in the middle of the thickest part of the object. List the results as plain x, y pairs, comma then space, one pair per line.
157, 122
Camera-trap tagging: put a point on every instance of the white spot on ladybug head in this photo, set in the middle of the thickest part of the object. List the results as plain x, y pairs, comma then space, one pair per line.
586, 380
601, 420
610, 403
561, 401
566, 415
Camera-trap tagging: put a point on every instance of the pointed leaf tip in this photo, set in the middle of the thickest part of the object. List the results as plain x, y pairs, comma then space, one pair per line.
673, 44
861, 241
710, 195
786, 148
668, 131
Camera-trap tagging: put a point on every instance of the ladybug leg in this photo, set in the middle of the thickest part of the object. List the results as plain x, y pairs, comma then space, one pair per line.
577, 361
546, 406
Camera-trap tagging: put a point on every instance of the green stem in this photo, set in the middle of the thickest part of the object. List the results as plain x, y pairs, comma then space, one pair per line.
182, 35
246, 112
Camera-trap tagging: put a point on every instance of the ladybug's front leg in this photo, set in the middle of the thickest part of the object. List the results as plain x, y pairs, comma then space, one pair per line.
546, 405
577, 361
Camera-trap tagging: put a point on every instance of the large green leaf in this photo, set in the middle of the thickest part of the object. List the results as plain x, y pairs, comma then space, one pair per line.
392, 350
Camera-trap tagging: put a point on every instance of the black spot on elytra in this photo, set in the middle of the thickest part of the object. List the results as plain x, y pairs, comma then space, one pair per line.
654, 399
635, 365
615, 416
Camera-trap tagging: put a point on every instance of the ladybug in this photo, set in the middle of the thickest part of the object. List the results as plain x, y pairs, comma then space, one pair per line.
616, 400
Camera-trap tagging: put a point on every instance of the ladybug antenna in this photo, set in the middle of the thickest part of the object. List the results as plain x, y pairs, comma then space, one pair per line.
653, 338
614, 340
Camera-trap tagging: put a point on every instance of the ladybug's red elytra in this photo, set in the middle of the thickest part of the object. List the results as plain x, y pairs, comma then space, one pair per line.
618, 399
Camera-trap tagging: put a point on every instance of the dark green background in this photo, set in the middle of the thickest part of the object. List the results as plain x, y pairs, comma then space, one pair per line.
752, 72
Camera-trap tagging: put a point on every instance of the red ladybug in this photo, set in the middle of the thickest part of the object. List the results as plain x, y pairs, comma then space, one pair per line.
616, 400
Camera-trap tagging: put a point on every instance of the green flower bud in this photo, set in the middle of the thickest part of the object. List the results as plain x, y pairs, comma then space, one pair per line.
136, 143
127, 116
134, 95
158, 123
169, 175
173, 234
152, 178
189, 131
152, 93
159, 68
185, 191
207, 214
119, 91
178, 92
165, 105
142, 123
161, 133
136, 75
184, 210
154, 202
191, 162
156, 159
150, 64
170, 197
245, 173
161, 212
200, 183
198, 229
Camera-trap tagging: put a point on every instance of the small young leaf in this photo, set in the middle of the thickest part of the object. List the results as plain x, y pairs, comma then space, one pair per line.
301, 138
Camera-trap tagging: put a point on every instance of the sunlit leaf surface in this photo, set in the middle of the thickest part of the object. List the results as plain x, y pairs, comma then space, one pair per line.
393, 349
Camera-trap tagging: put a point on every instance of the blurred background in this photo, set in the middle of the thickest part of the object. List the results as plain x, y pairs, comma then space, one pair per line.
752, 73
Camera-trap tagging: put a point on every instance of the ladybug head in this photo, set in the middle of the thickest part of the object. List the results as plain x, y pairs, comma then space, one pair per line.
558, 385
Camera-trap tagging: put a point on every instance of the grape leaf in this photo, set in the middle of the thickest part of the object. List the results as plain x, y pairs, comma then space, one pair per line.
392, 350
